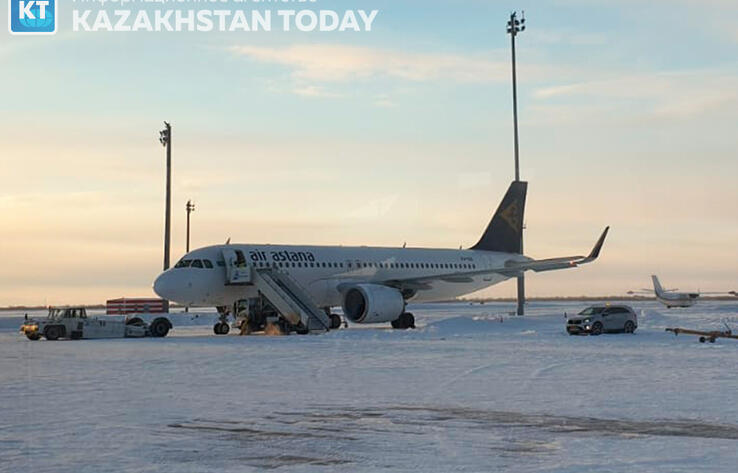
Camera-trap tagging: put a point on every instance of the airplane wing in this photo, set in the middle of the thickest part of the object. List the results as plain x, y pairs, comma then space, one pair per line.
650, 291
510, 268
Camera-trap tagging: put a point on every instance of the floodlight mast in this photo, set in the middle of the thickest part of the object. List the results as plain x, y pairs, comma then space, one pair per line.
165, 138
515, 26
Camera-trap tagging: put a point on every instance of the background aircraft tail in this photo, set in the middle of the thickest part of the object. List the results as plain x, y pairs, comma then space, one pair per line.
657, 285
504, 232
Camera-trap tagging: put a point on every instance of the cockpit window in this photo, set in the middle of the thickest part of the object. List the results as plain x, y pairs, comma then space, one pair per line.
208, 264
183, 263
197, 263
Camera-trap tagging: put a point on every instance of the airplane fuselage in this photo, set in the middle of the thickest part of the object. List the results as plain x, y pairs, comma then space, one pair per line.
321, 270
677, 300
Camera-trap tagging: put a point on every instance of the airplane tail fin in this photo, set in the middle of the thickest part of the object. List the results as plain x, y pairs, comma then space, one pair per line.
657, 285
504, 231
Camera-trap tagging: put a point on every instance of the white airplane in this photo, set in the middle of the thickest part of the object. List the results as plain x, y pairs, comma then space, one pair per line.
371, 284
671, 298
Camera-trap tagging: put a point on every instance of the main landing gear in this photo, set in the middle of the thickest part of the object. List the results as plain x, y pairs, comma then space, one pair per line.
335, 321
404, 322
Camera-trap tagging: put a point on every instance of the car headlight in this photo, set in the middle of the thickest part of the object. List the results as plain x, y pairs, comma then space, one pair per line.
586, 321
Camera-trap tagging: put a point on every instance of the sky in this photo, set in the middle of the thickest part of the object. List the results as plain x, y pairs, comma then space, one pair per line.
628, 115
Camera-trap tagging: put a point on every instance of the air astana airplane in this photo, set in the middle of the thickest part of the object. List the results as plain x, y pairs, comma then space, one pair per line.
371, 284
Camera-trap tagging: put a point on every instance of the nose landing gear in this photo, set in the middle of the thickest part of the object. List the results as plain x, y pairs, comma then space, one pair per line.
222, 327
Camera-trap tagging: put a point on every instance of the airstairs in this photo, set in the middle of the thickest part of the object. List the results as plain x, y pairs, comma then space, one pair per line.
284, 293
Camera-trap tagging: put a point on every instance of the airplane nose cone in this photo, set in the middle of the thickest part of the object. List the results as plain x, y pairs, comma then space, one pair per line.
163, 286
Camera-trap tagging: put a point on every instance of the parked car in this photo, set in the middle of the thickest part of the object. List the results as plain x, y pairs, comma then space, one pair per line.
599, 319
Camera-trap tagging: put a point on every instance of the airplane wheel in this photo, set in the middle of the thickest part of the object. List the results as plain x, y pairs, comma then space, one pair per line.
52, 333
703, 339
629, 327
712, 340
596, 329
335, 321
221, 328
159, 328
404, 322
284, 327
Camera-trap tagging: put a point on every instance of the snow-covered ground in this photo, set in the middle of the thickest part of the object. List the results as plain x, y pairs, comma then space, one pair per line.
468, 391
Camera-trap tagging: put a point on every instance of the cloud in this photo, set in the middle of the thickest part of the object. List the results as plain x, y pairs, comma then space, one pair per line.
314, 91
375, 209
675, 95
339, 63
575, 38
384, 101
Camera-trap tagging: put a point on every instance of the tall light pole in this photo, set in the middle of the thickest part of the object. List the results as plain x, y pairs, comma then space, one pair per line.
190, 207
165, 138
515, 26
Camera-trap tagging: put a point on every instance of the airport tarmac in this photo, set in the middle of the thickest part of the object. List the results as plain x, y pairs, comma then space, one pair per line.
468, 391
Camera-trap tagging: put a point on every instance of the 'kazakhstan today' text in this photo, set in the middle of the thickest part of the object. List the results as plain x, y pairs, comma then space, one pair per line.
222, 20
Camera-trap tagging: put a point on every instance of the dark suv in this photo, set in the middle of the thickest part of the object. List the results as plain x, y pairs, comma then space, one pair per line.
600, 319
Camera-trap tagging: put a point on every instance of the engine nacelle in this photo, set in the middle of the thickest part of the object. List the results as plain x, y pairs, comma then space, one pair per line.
372, 303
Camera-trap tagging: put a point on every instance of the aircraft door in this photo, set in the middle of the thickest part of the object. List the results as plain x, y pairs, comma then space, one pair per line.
237, 269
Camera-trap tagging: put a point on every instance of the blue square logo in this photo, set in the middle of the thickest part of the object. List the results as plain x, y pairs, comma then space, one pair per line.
32, 16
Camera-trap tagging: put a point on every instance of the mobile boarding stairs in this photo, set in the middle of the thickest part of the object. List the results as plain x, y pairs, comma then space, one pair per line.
284, 293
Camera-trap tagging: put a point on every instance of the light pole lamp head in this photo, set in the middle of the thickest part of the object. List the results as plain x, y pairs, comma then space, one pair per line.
164, 137
190, 206
515, 26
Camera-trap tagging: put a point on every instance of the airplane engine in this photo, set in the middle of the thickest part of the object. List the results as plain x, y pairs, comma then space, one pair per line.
372, 303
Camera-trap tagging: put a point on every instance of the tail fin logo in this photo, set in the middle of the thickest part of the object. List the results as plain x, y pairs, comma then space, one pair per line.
511, 216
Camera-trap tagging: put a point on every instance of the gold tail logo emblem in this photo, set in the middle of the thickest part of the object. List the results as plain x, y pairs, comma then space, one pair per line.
511, 215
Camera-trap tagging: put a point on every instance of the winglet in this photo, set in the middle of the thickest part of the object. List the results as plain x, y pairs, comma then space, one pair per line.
597, 248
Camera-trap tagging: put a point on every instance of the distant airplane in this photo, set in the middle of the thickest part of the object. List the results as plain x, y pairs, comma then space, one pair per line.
671, 298
373, 285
